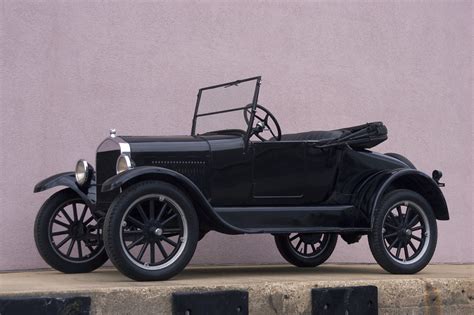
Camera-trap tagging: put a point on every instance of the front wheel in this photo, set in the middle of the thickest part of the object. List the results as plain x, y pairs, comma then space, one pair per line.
306, 250
404, 233
151, 231
67, 235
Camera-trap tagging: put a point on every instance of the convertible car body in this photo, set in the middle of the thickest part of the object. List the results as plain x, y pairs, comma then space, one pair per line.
151, 198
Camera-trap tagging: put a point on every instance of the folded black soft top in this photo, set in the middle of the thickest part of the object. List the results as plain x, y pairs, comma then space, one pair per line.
359, 137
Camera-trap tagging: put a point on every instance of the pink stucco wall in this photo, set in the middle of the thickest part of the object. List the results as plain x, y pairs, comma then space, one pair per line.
72, 70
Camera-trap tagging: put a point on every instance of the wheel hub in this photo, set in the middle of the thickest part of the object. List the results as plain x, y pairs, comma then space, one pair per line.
152, 232
404, 234
78, 230
311, 238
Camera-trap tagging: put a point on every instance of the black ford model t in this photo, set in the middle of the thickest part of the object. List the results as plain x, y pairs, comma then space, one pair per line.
151, 199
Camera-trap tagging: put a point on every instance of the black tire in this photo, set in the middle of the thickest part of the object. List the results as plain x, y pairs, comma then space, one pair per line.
53, 253
286, 246
402, 159
124, 218
414, 231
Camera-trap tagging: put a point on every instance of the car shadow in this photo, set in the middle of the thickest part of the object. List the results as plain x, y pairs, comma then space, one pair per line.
259, 270
227, 272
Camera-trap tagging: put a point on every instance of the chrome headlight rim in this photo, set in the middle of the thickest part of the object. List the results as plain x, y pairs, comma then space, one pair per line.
124, 163
82, 172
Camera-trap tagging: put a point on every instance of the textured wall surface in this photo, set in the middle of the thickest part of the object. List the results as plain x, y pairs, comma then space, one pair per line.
72, 70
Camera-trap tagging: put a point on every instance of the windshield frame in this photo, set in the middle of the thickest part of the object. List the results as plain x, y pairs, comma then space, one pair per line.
257, 80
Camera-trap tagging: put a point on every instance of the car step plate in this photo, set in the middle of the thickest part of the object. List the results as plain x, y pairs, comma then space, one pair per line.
362, 300
211, 303
45, 305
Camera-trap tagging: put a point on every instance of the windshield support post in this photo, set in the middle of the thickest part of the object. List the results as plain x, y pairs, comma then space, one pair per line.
252, 115
193, 129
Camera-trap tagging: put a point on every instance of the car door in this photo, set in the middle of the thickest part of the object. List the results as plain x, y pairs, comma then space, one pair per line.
230, 173
278, 172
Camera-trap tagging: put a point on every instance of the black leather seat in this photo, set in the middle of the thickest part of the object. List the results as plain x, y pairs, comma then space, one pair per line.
313, 135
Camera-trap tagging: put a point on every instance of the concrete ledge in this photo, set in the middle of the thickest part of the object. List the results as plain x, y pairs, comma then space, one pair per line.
282, 289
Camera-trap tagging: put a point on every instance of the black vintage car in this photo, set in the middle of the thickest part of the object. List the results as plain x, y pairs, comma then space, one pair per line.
151, 199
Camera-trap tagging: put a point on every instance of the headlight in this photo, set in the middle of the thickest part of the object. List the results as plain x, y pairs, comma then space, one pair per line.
124, 163
83, 171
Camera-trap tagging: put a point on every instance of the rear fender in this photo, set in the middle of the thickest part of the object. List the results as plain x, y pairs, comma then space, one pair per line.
67, 179
416, 181
206, 213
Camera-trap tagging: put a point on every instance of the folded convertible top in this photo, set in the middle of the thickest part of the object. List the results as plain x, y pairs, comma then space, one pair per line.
362, 136
358, 137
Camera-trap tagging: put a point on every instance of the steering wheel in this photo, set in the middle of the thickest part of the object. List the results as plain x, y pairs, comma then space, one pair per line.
263, 124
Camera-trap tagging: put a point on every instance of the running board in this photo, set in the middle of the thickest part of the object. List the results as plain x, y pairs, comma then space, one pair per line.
305, 219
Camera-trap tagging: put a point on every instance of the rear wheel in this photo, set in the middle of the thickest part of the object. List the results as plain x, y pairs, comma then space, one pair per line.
151, 231
306, 250
67, 236
404, 233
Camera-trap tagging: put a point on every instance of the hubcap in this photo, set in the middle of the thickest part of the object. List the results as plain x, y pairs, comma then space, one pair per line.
78, 230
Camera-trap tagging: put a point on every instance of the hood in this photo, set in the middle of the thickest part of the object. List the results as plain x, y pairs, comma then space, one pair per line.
144, 139
158, 144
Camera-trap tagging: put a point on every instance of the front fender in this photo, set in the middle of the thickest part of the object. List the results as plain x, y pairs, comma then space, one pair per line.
64, 179
204, 208
417, 181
